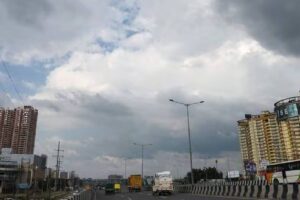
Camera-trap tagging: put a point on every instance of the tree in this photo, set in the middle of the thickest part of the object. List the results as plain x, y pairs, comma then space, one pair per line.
204, 174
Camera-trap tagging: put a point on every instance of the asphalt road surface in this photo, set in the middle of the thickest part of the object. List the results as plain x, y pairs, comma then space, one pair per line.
100, 195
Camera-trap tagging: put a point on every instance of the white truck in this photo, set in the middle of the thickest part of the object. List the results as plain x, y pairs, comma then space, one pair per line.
163, 183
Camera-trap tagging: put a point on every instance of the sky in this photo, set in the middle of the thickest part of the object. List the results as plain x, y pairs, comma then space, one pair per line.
101, 74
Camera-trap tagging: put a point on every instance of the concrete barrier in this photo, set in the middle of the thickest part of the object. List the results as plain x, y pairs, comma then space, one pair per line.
261, 189
201, 189
212, 190
197, 188
228, 189
209, 189
219, 190
239, 188
246, 189
206, 189
194, 189
289, 192
269, 191
233, 192
295, 191
223, 190
249, 189
276, 191
283, 192
215, 190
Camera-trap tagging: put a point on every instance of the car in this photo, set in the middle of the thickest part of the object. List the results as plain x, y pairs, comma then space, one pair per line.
109, 188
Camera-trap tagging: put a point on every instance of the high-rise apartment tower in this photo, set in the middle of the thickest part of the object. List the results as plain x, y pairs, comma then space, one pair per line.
18, 129
260, 138
287, 111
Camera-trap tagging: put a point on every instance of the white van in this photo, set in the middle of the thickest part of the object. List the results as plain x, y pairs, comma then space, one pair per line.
163, 183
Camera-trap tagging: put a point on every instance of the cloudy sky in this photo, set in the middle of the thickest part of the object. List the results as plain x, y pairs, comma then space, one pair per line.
101, 73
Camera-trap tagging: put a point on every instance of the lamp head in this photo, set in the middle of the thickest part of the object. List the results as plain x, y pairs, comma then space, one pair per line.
171, 100
201, 101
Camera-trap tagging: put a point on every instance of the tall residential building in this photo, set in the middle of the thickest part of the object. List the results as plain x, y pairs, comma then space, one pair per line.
287, 111
245, 141
18, 129
260, 138
6, 127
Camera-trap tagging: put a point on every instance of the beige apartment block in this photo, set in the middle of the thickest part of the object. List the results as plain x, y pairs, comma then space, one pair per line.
245, 141
290, 131
260, 138
287, 111
272, 137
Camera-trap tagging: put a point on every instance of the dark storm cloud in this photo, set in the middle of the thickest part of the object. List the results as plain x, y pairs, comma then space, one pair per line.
92, 105
213, 126
274, 23
115, 127
27, 13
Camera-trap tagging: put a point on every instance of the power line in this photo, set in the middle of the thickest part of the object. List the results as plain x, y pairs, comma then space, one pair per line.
5, 93
12, 81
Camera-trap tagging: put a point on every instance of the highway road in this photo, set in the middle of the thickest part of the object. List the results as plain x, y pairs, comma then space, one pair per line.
100, 195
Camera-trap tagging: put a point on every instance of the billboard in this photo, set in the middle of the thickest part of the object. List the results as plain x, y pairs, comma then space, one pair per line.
287, 110
250, 167
233, 174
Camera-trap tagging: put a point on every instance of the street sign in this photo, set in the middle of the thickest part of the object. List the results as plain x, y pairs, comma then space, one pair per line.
263, 164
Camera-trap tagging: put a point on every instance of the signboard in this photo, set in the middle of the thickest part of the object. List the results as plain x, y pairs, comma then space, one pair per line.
285, 111
233, 174
263, 164
23, 186
292, 110
250, 167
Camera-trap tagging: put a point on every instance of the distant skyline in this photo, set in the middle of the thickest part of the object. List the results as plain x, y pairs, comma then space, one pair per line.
101, 74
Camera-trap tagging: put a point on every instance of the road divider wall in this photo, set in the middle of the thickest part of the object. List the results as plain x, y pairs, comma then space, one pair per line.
249, 189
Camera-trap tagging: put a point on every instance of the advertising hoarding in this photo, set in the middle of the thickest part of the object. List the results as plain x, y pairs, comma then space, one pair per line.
233, 174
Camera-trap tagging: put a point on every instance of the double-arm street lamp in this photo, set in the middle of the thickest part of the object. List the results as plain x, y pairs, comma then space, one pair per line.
142, 146
187, 105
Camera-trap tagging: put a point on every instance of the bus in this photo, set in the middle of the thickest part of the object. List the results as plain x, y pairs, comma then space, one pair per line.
284, 172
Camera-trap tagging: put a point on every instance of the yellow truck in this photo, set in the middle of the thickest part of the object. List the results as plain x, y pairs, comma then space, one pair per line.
135, 183
117, 187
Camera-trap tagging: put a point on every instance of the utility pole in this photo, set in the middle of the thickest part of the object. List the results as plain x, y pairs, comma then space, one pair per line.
142, 146
58, 163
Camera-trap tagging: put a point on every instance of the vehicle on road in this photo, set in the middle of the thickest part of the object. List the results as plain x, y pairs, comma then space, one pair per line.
109, 188
284, 172
135, 183
163, 183
117, 187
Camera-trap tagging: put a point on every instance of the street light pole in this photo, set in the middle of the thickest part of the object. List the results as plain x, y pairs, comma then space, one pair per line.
187, 105
125, 169
142, 146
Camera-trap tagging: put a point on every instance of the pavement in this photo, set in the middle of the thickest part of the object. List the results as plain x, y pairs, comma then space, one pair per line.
146, 195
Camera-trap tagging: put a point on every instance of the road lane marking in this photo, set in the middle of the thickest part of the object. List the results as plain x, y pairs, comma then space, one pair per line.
129, 198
